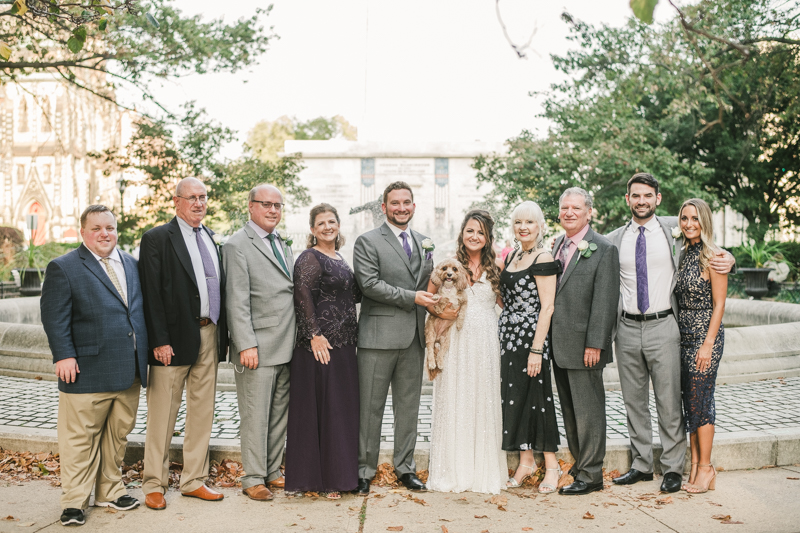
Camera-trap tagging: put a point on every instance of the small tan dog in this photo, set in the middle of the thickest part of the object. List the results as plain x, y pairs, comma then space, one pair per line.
451, 280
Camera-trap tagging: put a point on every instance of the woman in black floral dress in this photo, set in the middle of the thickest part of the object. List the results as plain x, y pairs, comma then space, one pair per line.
528, 288
701, 296
322, 437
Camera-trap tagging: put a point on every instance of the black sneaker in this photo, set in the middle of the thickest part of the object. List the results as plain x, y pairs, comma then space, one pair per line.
70, 517
123, 503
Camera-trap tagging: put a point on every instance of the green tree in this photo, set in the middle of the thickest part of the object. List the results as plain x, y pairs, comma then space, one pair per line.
124, 41
266, 138
693, 110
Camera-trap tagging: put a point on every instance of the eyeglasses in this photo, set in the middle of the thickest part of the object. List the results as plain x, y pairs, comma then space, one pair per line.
194, 199
270, 205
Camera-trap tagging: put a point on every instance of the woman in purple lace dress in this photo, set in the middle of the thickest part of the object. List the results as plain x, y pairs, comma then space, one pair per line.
322, 437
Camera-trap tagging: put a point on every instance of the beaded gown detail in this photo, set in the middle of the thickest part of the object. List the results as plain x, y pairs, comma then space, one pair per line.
529, 413
695, 306
466, 453
322, 435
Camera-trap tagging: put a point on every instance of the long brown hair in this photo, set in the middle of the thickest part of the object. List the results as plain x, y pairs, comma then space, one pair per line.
488, 256
312, 218
705, 216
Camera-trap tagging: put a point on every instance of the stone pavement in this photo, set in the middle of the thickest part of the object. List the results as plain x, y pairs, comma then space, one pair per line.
743, 407
745, 501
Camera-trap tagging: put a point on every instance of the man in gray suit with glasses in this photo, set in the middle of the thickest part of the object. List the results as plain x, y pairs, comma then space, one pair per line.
392, 269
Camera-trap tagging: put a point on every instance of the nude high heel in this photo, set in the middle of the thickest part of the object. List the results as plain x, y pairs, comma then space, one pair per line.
692, 475
712, 483
546, 488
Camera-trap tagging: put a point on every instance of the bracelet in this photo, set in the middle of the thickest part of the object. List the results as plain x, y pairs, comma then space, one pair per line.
538, 351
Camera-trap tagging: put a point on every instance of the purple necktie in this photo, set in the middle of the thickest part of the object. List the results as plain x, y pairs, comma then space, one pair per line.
642, 294
212, 282
562, 257
406, 246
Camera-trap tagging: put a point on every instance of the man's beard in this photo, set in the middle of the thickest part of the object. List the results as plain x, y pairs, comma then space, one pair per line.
649, 213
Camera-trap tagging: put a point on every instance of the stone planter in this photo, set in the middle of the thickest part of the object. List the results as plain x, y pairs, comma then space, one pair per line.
756, 281
31, 281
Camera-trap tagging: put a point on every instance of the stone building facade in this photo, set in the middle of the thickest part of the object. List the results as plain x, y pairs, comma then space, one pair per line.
47, 126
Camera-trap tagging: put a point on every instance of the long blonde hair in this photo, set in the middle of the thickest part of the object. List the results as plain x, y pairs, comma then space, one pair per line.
709, 249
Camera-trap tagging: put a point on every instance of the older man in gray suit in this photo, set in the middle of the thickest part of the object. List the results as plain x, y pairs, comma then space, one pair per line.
392, 269
587, 291
647, 341
260, 308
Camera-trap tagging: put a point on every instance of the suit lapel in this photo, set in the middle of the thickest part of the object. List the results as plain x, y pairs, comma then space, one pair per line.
261, 246
388, 234
673, 244
181, 251
98, 270
130, 272
573, 262
418, 242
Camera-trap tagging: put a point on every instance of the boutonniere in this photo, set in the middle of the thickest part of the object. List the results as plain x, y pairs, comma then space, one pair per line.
585, 249
219, 240
429, 247
676, 234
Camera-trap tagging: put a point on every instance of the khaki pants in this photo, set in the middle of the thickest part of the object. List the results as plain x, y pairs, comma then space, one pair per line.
93, 432
164, 394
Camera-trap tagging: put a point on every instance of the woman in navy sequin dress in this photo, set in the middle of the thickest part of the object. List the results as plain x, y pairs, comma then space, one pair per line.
322, 437
701, 296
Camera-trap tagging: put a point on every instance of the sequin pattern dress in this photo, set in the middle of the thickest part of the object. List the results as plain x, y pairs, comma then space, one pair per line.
466, 453
695, 307
529, 414
322, 435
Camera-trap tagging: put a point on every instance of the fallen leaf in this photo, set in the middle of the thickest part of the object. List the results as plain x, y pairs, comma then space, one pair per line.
112, 511
444, 520
481, 516
721, 517
445, 530
9, 517
394, 528
485, 531
527, 529
588, 516
498, 499
664, 501
501, 508
607, 504
793, 478
731, 522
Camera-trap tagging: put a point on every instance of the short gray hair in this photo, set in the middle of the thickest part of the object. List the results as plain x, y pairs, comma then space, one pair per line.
577, 191
532, 211
96, 208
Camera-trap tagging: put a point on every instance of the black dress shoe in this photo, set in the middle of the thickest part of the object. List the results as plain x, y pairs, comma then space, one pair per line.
363, 486
72, 517
579, 487
412, 482
672, 482
631, 477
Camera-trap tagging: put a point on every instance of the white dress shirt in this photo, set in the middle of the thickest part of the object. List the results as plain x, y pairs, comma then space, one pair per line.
263, 234
397, 231
197, 261
116, 263
660, 268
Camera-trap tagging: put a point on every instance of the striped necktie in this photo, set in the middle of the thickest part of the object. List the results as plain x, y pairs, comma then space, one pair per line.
114, 279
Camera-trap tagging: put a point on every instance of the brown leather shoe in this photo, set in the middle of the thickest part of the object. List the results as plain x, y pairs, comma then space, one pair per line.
277, 483
259, 493
205, 493
156, 501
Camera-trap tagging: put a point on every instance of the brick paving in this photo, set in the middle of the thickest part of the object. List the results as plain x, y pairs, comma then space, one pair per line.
758, 405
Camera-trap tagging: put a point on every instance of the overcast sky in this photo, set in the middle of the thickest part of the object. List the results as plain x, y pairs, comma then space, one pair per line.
419, 70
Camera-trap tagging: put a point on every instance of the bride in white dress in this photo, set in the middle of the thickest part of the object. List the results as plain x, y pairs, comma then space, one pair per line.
466, 452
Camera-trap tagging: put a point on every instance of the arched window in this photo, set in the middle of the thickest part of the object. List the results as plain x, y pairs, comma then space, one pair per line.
23, 117
47, 117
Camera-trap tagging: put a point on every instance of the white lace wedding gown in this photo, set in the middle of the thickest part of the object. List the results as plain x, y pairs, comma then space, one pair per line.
466, 440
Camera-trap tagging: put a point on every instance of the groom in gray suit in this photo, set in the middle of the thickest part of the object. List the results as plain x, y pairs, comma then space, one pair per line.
647, 341
260, 306
587, 291
392, 270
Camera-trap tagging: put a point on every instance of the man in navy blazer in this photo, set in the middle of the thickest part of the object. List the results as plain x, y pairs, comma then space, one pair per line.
93, 315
